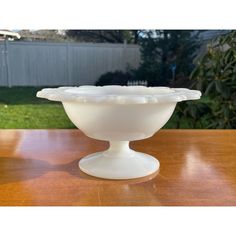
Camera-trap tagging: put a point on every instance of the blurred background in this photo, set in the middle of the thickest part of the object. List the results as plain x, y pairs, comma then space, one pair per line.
196, 59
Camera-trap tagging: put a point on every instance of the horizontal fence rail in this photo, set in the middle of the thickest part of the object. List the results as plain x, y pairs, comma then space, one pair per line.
62, 64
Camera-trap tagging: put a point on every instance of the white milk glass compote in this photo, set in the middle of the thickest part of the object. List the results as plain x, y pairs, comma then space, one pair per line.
119, 114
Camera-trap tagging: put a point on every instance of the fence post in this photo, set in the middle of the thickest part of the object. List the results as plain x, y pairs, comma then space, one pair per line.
68, 64
8, 70
124, 54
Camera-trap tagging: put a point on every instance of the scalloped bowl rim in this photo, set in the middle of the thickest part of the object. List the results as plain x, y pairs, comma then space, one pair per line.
116, 94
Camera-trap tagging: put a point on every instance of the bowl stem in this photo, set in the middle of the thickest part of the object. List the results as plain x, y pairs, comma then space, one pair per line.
119, 149
119, 162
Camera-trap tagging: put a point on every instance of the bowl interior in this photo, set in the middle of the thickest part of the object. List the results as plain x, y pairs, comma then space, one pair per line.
119, 90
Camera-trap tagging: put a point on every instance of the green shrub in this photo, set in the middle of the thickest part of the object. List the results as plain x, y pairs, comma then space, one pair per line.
215, 76
114, 78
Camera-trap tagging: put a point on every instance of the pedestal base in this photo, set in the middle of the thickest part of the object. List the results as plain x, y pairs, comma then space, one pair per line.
119, 162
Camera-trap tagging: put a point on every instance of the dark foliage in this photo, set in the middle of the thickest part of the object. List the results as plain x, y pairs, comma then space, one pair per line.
166, 56
105, 36
114, 78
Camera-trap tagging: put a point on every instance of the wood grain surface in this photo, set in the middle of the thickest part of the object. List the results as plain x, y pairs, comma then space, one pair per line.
39, 168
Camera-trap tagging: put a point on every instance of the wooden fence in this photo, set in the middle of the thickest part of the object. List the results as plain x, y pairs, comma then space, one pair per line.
58, 64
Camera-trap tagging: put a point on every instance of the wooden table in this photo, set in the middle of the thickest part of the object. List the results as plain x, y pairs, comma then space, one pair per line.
39, 167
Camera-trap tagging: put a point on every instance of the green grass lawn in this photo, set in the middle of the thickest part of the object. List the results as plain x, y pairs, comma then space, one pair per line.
20, 108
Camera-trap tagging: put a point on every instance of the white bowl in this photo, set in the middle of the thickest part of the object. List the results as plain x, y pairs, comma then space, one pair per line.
119, 114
